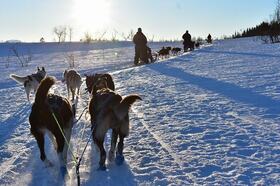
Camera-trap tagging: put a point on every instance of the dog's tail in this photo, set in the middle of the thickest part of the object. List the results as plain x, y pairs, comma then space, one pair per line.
43, 89
19, 79
122, 109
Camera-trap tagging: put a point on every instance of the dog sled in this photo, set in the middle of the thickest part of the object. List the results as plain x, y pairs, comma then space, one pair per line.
146, 57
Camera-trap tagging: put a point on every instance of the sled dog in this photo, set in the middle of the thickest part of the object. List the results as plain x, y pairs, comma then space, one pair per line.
73, 82
109, 110
176, 50
90, 79
30, 82
164, 52
48, 111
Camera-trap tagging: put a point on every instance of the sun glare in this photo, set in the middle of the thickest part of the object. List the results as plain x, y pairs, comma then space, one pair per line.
91, 14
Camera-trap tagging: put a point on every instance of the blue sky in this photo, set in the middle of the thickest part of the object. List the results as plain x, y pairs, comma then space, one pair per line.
29, 20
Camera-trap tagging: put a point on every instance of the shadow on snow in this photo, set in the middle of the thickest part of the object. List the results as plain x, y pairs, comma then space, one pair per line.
229, 90
239, 53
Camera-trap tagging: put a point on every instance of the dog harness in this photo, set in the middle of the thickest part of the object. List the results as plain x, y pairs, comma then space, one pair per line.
55, 101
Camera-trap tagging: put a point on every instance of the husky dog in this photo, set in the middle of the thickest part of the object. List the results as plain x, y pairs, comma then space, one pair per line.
30, 82
73, 81
108, 110
164, 52
176, 50
49, 111
90, 79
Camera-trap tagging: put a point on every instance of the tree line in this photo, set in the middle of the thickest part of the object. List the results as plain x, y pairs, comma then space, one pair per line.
268, 31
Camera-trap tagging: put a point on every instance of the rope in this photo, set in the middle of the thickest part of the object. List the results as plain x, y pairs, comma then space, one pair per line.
80, 158
80, 116
77, 163
77, 120
83, 129
73, 156
81, 139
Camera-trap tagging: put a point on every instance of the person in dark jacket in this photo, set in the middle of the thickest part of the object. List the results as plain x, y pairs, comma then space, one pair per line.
209, 39
187, 40
140, 42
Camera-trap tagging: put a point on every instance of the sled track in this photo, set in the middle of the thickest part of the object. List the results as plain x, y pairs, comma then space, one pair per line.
165, 147
159, 140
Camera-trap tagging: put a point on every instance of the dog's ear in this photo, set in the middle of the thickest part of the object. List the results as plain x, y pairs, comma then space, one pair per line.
43, 68
64, 74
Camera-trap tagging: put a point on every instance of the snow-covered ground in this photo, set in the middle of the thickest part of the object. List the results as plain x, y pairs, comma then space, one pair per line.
209, 117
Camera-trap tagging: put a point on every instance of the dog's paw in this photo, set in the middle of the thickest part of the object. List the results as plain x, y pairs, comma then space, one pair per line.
101, 168
119, 159
111, 156
48, 163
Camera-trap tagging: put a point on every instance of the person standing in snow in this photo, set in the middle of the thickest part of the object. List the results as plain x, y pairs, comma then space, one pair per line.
209, 39
187, 40
140, 42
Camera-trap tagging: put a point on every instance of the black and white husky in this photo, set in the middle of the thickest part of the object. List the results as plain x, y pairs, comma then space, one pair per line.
30, 82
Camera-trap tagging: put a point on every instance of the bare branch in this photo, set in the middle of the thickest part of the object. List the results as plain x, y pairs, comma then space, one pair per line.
60, 32
24, 61
70, 59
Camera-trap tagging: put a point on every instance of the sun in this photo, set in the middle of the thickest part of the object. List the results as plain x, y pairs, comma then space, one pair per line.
91, 14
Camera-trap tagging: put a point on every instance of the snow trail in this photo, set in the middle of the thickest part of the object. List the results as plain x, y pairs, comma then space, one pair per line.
207, 117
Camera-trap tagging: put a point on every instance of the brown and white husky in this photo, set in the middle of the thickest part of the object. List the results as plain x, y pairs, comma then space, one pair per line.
30, 82
49, 111
109, 110
90, 79
73, 82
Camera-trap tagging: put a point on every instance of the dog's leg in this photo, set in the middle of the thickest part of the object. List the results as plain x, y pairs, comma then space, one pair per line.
119, 155
67, 133
78, 91
73, 93
51, 136
41, 144
68, 90
39, 136
120, 144
60, 146
113, 145
27, 90
99, 143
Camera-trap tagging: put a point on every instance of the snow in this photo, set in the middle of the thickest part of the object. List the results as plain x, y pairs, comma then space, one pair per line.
207, 117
